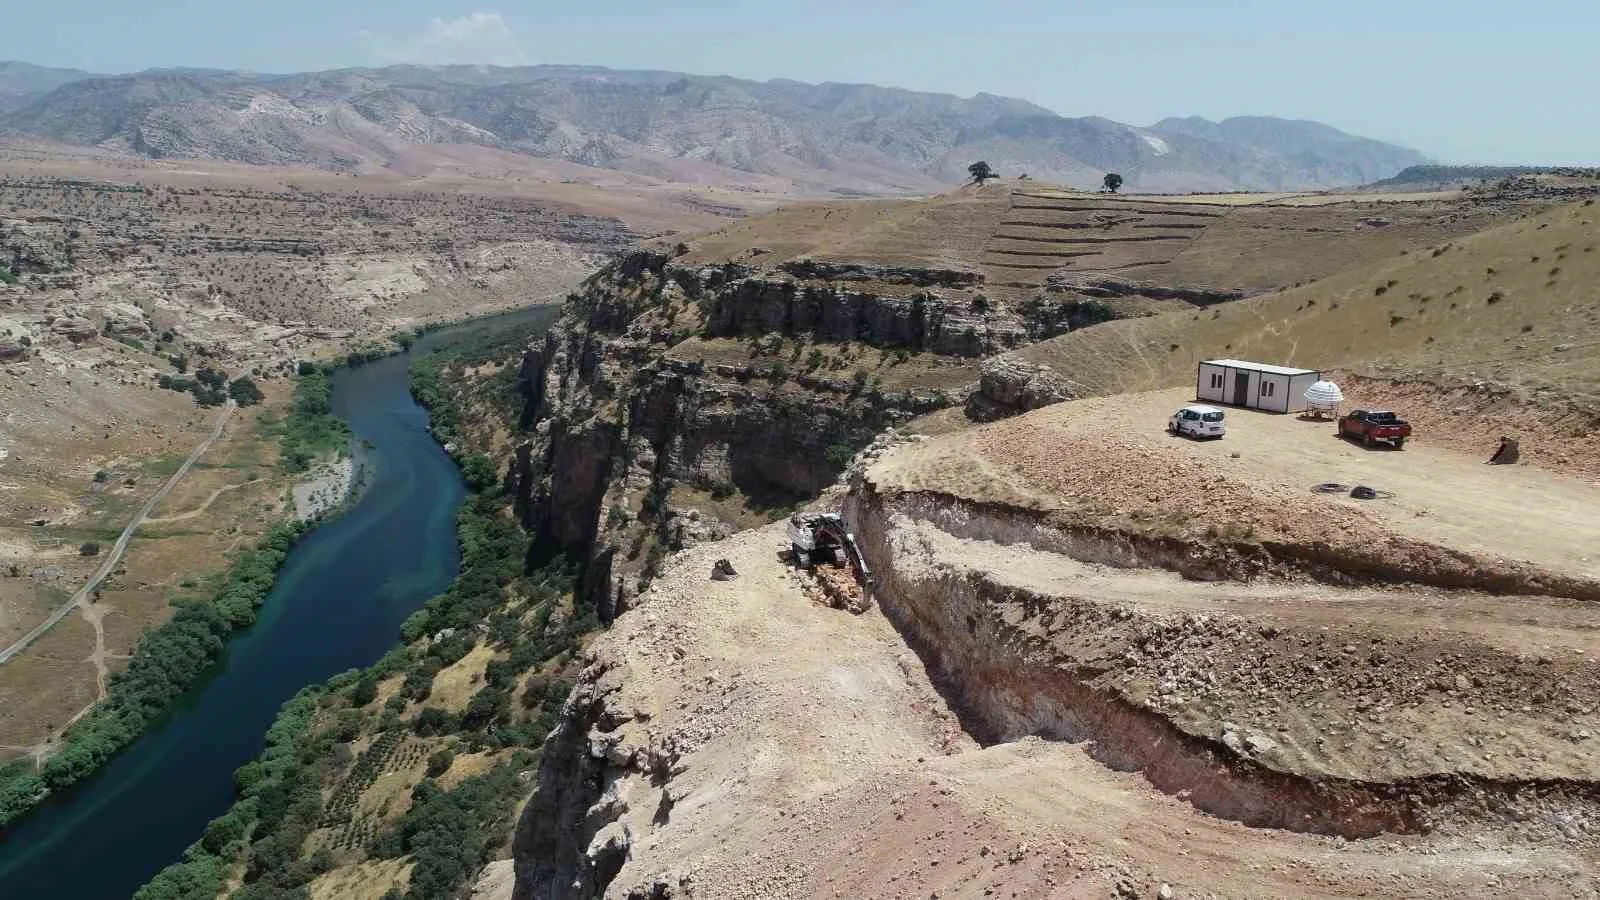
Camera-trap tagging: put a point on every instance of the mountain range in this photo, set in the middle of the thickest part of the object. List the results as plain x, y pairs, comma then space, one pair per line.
817, 138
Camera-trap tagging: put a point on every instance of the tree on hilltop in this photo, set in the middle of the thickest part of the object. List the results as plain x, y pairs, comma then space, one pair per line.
981, 172
1112, 182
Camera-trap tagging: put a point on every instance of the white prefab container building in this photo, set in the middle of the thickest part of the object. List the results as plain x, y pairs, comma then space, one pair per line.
1254, 385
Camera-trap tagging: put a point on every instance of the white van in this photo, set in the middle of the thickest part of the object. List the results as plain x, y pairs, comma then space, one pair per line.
1197, 421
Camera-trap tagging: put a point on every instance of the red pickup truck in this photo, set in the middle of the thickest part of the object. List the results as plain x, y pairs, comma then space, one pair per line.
1374, 426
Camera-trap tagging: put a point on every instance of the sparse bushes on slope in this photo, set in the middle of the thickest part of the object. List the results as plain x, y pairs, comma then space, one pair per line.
448, 833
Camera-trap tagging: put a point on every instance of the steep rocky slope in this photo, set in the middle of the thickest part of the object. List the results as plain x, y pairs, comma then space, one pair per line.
1028, 713
817, 138
1077, 619
672, 402
1073, 684
698, 386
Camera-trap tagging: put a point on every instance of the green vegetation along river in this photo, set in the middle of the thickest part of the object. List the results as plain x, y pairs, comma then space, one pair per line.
338, 603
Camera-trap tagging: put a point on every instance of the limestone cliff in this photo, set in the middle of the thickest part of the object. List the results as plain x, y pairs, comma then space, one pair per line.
671, 403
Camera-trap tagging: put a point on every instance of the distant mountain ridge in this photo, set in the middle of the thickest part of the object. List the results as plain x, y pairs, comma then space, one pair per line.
22, 82
841, 138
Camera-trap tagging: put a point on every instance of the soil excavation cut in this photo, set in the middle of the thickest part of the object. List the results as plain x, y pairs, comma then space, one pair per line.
739, 762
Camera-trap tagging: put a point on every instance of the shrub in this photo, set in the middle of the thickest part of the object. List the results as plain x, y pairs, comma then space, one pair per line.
440, 761
244, 391
364, 692
433, 721
1094, 312
839, 456
208, 396
89, 548
311, 429
480, 472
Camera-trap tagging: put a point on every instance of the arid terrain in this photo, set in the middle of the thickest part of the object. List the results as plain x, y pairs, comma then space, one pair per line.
809, 526
1094, 659
833, 766
126, 270
587, 122
1511, 309
1100, 660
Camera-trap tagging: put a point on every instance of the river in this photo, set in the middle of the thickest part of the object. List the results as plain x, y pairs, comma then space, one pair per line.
337, 604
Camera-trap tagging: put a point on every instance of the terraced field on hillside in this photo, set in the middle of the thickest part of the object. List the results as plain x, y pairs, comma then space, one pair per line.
1018, 234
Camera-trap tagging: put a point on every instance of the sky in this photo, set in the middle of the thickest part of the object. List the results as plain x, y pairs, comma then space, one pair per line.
1468, 81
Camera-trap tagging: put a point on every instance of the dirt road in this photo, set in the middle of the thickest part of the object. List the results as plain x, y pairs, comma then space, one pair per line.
121, 545
1440, 495
199, 510
1111, 459
819, 761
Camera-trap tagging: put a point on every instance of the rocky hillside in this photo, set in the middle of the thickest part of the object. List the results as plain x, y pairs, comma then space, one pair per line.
1069, 680
22, 82
674, 403
815, 138
693, 388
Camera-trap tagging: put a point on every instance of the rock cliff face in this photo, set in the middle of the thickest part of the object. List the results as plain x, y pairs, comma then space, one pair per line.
666, 408
641, 440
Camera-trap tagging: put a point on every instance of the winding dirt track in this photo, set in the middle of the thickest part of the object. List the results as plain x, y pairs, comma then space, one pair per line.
199, 510
121, 546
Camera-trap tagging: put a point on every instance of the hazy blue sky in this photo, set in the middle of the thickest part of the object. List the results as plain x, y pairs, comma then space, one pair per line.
1465, 81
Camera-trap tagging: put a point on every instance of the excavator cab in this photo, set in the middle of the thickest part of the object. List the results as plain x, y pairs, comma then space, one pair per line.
822, 539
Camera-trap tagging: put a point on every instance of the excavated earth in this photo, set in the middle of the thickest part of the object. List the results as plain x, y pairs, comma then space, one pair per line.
1103, 661
738, 739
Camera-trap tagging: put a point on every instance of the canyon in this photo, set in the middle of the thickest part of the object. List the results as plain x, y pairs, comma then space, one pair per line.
1098, 658
1094, 658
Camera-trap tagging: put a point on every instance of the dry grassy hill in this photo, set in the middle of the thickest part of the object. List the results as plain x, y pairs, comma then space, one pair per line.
1515, 305
1017, 234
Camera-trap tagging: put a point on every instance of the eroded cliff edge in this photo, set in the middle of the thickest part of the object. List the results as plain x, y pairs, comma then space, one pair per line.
675, 402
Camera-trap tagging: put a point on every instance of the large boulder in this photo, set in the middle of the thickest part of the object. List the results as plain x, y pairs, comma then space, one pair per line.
125, 318
1008, 386
74, 328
